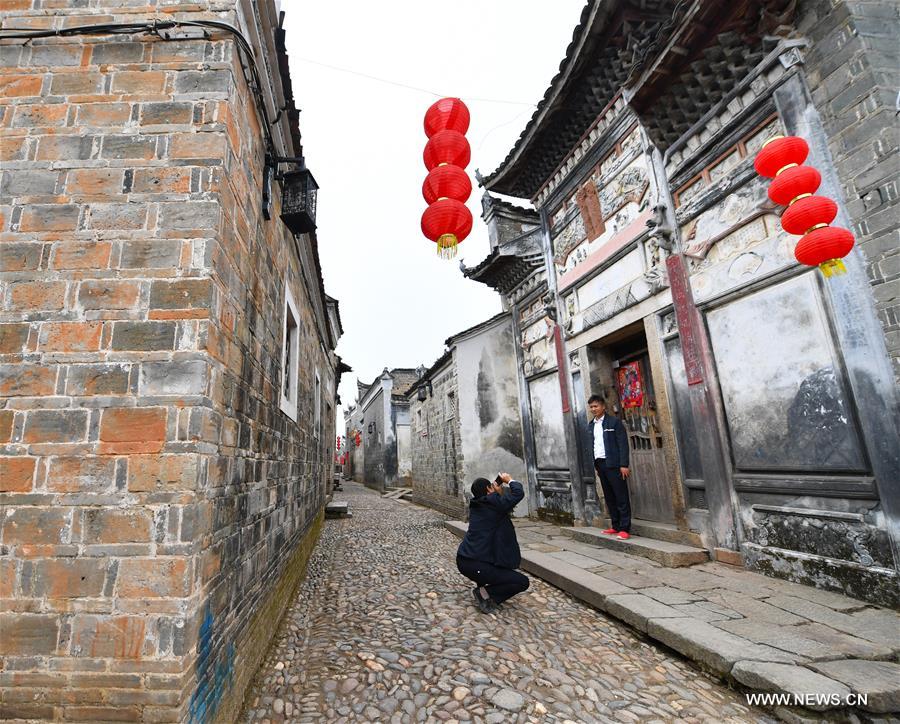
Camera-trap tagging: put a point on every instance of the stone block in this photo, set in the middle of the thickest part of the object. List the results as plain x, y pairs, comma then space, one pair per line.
189, 215
29, 183
103, 115
203, 83
34, 526
143, 336
106, 379
125, 216
13, 337
636, 609
55, 426
148, 473
20, 257
27, 634
181, 377
153, 578
823, 693
812, 641
23, 380
120, 637
108, 294
167, 113
116, 526
70, 336
82, 474
588, 587
69, 578
16, 473
713, 647
94, 181
81, 255
132, 429
140, 148
36, 296
879, 681
64, 148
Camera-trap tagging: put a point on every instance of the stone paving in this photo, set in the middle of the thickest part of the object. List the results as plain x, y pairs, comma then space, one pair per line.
384, 629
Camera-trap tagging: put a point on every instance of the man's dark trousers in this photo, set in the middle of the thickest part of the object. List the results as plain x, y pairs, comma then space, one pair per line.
501, 583
615, 492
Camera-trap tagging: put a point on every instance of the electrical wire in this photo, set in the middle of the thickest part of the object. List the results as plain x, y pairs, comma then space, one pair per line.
154, 28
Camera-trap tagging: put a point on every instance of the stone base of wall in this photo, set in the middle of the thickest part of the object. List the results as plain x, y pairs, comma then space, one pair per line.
454, 507
254, 644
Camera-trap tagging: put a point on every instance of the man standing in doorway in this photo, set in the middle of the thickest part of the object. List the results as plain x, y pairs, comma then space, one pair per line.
610, 444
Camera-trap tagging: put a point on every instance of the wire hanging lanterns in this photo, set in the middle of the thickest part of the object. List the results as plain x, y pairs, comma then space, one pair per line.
781, 159
447, 220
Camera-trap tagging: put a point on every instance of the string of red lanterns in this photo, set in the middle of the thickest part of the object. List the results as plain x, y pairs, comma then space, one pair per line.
447, 220
781, 159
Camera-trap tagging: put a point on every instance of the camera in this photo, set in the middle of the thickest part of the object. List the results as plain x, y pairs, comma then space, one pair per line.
498, 479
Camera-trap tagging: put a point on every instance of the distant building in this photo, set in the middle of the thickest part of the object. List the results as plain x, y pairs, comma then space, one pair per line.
465, 419
758, 395
381, 417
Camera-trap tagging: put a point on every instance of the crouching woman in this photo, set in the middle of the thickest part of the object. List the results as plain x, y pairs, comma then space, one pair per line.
489, 552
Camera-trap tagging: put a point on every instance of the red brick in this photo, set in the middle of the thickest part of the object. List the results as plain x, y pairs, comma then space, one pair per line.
162, 180
148, 473
20, 85
139, 82
69, 578
27, 380
120, 637
55, 426
81, 255
13, 149
6, 425
197, 145
94, 181
133, 429
40, 116
16, 474
116, 526
7, 577
102, 294
26, 634
81, 474
70, 336
29, 526
13, 337
76, 82
49, 217
103, 114
37, 296
153, 578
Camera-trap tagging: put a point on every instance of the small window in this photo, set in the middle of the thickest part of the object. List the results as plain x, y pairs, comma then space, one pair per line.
290, 355
317, 407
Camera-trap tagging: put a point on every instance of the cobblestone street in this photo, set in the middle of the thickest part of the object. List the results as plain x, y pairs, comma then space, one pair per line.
384, 629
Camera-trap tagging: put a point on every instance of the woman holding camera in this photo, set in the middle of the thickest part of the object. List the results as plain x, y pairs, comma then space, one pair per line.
489, 552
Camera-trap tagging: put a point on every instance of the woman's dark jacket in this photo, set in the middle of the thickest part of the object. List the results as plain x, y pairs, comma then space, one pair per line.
491, 536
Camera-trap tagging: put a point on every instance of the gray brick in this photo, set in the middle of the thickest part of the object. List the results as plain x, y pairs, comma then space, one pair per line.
143, 336
29, 183
181, 377
151, 254
203, 82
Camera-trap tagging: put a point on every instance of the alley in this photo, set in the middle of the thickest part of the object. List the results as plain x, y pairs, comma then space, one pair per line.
383, 629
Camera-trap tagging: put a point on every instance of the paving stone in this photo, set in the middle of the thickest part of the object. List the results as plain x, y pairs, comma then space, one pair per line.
636, 609
879, 681
704, 613
751, 607
575, 559
797, 680
714, 647
669, 595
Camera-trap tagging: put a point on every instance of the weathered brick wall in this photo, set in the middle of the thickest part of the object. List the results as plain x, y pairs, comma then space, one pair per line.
436, 446
853, 73
153, 492
373, 442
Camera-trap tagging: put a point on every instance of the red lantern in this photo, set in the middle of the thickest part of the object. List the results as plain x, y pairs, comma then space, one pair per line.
446, 182
447, 222
780, 153
794, 182
825, 247
806, 213
449, 147
447, 114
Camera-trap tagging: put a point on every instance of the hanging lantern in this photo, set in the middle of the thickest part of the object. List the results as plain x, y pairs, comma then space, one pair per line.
793, 184
447, 114
825, 248
447, 222
808, 212
795, 181
446, 182
780, 153
449, 147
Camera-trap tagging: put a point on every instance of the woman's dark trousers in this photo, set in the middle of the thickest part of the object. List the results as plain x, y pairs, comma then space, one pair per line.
501, 583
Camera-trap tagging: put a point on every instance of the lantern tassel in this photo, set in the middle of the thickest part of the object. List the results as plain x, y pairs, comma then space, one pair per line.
446, 246
833, 267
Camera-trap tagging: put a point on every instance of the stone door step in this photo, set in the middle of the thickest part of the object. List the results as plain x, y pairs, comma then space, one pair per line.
672, 555
338, 509
396, 493
661, 531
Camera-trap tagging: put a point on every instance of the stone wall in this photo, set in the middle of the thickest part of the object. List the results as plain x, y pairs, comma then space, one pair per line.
155, 496
373, 441
437, 476
853, 73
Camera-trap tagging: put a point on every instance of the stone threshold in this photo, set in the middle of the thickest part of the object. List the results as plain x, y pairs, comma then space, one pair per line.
764, 634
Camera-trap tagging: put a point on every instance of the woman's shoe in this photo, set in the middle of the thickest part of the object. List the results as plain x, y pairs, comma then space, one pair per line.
484, 605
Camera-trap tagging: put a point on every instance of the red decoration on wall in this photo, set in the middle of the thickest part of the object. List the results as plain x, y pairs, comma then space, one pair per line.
687, 317
794, 182
779, 153
824, 246
808, 212
447, 147
561, 369
447, 221
446, 182
630, 384
446, 114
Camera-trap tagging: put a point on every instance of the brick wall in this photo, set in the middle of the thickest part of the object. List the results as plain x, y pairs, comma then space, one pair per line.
853, 73
154, 494
436, 447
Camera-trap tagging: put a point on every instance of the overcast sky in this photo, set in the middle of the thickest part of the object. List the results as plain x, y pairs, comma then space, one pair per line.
363, 142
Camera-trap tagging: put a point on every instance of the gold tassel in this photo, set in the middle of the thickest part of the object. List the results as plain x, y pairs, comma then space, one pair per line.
833, 267
446, 246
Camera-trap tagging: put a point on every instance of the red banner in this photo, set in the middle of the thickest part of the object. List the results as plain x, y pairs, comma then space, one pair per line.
561, 368
688, 318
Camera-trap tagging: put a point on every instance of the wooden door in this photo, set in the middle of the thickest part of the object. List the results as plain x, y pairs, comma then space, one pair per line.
648, 485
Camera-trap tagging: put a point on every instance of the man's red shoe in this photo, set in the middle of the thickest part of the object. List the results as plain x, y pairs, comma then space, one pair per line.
609, 531
623, 535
